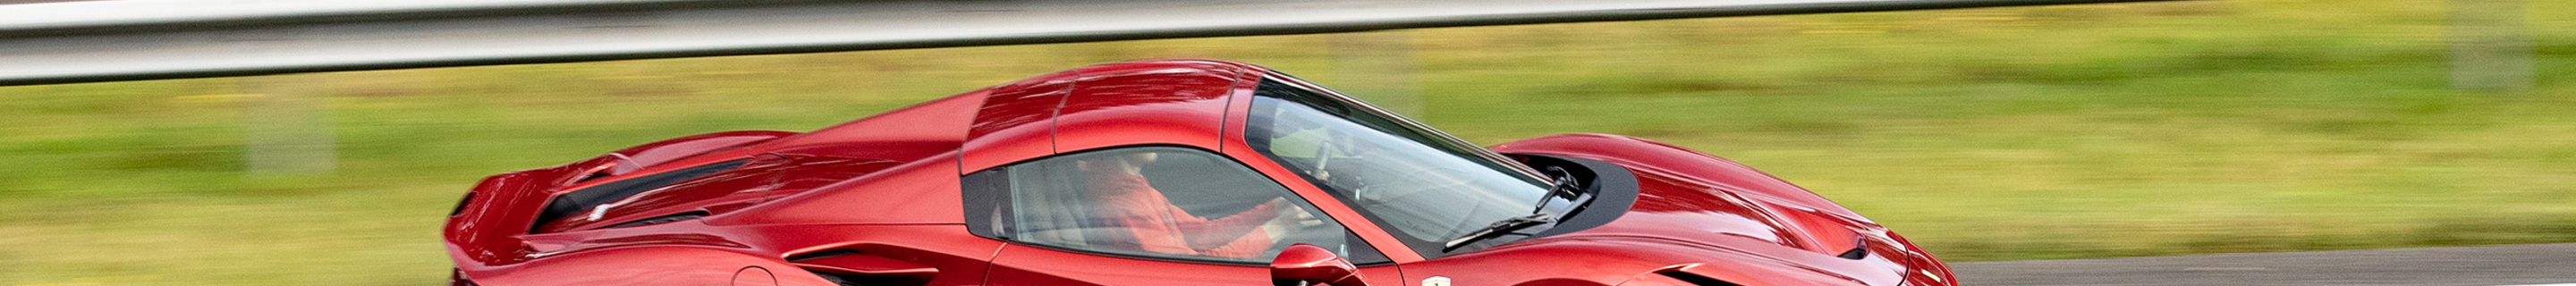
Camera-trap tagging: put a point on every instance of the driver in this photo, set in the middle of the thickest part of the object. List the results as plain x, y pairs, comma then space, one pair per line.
1126, 201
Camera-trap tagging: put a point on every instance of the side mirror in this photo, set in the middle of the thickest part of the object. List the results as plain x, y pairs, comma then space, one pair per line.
1306, 264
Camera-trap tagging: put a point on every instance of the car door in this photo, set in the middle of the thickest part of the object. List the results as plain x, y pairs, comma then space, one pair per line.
1153, 215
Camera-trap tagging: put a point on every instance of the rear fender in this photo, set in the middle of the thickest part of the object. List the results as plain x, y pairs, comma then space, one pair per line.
484, 225
655, 265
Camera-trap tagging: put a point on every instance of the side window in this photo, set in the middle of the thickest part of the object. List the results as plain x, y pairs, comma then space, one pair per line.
1161, 202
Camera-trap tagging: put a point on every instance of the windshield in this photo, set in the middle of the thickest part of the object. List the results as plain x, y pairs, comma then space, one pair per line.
1424, 186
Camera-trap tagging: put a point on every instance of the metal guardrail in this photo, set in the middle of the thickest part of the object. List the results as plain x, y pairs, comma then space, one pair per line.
70, 42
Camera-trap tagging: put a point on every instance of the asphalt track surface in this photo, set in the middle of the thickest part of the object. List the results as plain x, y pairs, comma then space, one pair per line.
2528, 264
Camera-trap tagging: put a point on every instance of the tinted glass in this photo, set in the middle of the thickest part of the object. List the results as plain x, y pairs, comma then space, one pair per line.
1164, 202
1426, 186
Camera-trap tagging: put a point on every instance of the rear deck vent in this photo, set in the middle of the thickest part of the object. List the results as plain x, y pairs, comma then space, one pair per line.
661, 219
581, 200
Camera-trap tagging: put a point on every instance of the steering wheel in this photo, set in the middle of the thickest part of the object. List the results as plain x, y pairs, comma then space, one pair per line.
1297, 231
1323, 159
1327, 239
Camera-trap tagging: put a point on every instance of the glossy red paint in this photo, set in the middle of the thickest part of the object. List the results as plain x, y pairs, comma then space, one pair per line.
1680, 163
639, 157
922, 192
1179, 103
907, 134
877, 201
1309, 263
1713, 202
1015, 122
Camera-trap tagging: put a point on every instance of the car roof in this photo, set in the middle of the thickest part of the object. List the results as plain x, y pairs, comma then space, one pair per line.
1169, 102
1159, 101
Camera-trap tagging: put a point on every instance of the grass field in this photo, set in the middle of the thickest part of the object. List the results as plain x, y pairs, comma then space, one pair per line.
1984, 134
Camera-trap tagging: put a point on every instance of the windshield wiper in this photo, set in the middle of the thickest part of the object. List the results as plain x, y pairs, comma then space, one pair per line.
1499, 228
1565, 183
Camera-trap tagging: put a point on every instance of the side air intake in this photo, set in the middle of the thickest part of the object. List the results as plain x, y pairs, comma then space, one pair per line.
1694, 279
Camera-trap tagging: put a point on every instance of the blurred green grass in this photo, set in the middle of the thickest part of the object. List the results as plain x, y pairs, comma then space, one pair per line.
1983, 134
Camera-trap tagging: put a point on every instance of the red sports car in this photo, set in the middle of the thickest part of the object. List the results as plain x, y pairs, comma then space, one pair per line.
1162, 172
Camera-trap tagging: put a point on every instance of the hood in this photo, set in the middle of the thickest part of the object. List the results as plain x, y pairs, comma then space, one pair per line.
1692, 200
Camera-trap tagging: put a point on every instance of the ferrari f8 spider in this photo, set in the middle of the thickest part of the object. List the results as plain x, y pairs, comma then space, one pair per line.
1161, 172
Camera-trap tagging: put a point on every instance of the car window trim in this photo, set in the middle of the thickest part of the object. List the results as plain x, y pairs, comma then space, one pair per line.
989, 196
1479, 150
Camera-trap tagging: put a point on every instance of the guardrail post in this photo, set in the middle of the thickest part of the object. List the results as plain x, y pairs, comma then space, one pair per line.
2490, 46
